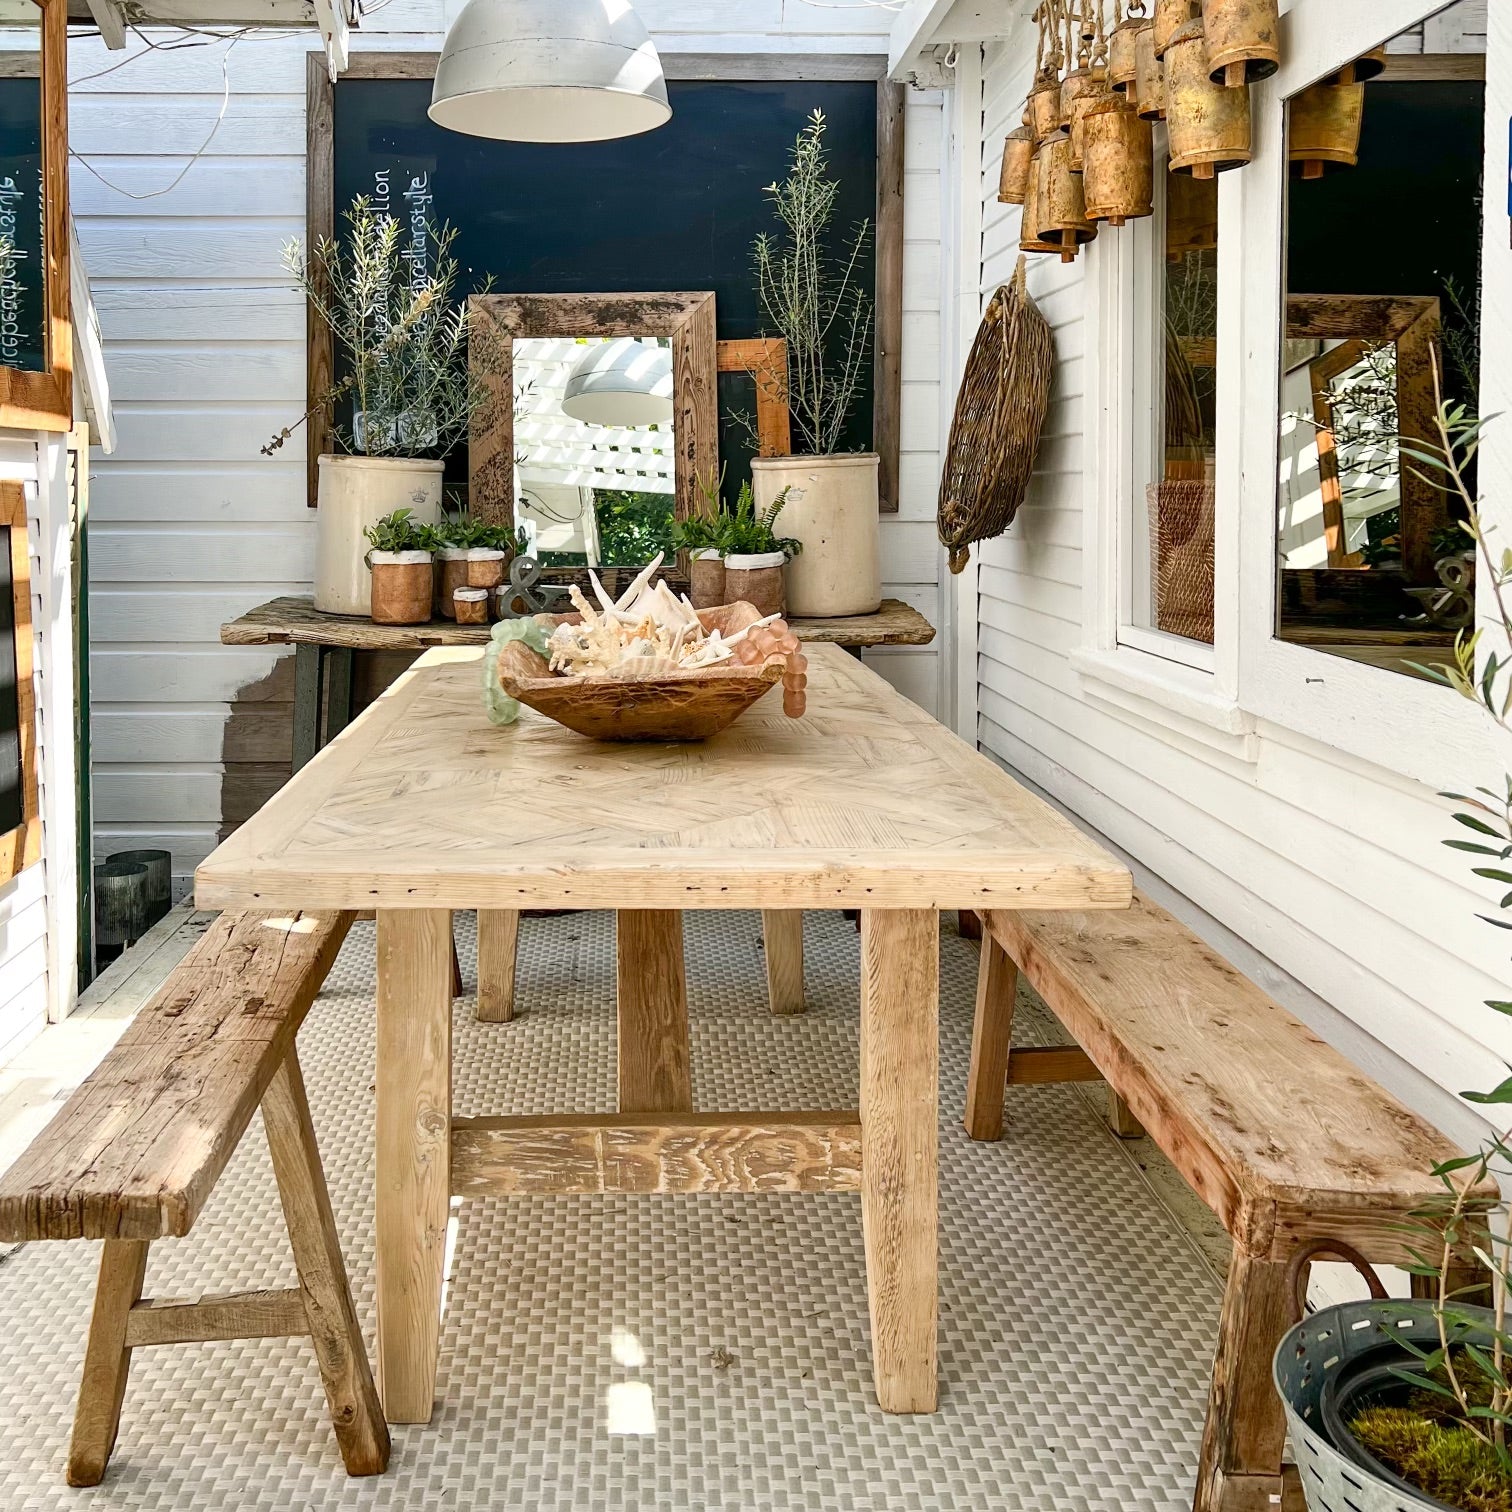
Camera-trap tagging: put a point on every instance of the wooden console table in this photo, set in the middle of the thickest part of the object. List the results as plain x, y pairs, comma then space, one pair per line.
325, 644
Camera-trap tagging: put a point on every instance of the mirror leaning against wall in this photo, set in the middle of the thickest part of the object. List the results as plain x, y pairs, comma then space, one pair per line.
1383, 241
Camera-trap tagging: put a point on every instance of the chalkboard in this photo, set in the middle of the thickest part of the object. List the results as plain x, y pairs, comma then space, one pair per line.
23, 305
677, 208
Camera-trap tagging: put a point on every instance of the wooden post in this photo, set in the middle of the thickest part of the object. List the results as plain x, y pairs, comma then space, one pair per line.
498, 945
900, 994
654, 1075
991, 1032
307, 662
123, 1268
1122, 1122
782, 940
414, 1153
356, 1412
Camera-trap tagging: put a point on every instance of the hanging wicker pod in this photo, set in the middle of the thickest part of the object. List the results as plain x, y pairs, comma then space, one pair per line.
1149, 83
1243, 40
1323, 128
1118, 172
1371, 66
1044, 104
1123, 64
1079, 108
1062, 214
999, 414
1018, 154
1030, 239
1209, 125
1170, 16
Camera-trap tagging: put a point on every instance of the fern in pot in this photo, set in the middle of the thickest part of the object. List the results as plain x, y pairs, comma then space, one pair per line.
816, 299
387, 294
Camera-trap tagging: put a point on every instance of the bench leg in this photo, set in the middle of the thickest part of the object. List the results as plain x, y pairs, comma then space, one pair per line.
1242, 1441
355, 1410
900, 1041
123, 1269
498, 945
652, 997
997, 984
1122, 1122
782, 940
413, 1153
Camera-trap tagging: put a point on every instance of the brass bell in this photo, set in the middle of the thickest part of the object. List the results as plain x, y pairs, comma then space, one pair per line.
1209, 125
1149, 84
1191, 215
1118, 169
1323, 128
1123, 65
1371, 66
1170, 17
1079, 108
1018, 153
1044, 104
1030, 239
1243, 40
1080, 81
1062, 208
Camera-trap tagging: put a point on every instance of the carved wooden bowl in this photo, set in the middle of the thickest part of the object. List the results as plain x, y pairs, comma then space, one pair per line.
676, 706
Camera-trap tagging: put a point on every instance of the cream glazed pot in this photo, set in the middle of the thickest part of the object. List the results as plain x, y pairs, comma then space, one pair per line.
832, 509
355, 493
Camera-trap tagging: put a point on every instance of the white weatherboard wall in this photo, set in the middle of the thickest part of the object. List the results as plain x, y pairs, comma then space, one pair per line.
1320, 874
190, 526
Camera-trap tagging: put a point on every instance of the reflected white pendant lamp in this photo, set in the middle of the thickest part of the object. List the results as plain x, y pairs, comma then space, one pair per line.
549, 71
621, 383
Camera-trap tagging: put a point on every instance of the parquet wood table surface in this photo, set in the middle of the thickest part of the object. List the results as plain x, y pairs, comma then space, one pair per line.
421, 807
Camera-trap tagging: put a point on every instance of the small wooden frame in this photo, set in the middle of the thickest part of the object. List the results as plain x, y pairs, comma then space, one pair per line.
21, 846
765, 359
44, 400
498, 320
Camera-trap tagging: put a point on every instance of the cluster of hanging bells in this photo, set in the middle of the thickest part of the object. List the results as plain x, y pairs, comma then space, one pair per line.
1085, 153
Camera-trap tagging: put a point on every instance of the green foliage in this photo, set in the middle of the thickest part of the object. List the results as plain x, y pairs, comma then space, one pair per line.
817, 300
400, 531
401, 332
747, 533
467, 531
632, 526
1448, 1462
698, 533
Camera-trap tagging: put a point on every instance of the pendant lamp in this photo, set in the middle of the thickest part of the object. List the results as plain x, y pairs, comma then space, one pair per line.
549, 71
621, 383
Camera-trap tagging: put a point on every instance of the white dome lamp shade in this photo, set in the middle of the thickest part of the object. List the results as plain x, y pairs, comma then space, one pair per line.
621, 383
549, 71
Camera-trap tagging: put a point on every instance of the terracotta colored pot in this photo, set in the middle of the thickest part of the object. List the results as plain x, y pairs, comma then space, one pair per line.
470, 606
401, 589
756, 580
467, 567
706, 580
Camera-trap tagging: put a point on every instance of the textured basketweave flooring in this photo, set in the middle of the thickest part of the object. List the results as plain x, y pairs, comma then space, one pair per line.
630, 1354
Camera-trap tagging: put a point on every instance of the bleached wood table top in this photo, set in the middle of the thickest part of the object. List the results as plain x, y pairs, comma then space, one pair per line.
866, 802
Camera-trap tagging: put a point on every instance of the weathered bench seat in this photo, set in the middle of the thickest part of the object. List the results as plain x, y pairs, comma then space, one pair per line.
134, 1153
1281, 1136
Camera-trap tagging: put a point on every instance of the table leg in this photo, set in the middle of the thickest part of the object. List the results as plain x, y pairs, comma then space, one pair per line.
782, 939
498, 943
307, 664
900, 999
654, 1075
414, 1153
339, 679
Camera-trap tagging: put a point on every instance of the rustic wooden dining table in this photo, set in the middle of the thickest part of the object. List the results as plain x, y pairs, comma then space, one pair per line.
421, 807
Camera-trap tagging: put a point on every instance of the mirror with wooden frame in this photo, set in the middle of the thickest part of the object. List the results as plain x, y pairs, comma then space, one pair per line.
36, 339
592, 403
20, 821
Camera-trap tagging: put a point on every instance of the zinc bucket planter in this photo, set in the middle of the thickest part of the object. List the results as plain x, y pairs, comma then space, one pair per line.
354, 494
831, 508
401, 587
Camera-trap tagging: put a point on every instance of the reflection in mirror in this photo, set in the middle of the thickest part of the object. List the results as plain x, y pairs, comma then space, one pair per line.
23, 265
594, 460
1383, 247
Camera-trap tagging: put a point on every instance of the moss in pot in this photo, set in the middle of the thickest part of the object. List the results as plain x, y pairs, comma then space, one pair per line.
399, 558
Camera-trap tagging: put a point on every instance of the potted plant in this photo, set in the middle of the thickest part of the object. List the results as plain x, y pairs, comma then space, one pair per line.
754, 555
399, 560
701, 535
401, 336
819, 305
472, 554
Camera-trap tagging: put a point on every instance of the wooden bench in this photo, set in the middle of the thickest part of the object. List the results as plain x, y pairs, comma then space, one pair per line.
133, 1154
1281, 1136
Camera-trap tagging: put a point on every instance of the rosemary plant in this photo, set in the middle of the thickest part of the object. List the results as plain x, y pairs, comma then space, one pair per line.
816, 299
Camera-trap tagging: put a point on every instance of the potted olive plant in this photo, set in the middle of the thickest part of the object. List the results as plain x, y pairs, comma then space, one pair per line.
818, 302
401, 335
400, 551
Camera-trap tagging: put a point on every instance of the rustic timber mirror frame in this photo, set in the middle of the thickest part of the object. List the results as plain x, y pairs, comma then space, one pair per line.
496, 321
43, 400
21, 844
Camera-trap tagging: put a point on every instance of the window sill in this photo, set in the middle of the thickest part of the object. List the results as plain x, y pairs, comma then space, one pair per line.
1166, 693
